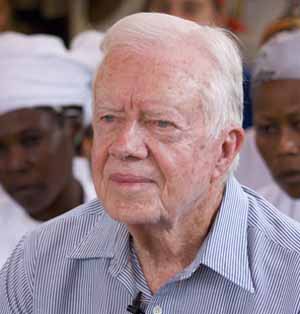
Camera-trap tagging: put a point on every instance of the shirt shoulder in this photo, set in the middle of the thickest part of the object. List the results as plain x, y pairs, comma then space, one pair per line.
265, 220
46, 250
66, 232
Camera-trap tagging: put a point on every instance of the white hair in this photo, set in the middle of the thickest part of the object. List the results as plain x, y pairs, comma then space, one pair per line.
221, 91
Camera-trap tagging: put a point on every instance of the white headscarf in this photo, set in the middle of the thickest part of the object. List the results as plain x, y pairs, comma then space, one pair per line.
278, 58
37, 70
85, 48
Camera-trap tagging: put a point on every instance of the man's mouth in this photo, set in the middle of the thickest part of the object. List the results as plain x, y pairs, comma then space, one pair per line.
25, 190
289, 177
129, 179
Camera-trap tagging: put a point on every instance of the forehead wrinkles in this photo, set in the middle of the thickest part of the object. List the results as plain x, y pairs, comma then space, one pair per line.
186, 53
175, 75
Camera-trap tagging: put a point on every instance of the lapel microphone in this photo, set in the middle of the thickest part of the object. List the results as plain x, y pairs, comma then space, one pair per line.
135, 307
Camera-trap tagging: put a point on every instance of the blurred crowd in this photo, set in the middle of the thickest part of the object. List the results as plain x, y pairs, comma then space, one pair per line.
46, 115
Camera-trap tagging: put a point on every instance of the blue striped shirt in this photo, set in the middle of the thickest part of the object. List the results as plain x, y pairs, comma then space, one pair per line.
83, 262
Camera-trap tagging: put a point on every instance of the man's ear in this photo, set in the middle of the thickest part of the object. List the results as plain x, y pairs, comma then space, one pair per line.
230, 146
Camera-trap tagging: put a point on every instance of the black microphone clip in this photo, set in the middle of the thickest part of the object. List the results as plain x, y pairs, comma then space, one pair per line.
135, 307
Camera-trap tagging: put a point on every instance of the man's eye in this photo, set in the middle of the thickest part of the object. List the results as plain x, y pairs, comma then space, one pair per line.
108, 118
31, 141
266, 129
163, 124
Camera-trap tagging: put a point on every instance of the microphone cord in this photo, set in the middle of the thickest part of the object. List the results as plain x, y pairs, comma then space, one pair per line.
135, 308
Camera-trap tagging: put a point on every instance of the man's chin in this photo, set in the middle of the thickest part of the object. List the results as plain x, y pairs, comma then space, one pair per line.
132, 216
134, 219
293, 190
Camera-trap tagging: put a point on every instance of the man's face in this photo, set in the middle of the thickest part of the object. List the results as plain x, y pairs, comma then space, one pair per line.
152, 161
35, 157
277, 124
199, 11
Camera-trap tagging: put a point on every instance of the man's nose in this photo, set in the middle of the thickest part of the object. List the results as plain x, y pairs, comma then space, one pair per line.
129, 143
289, 142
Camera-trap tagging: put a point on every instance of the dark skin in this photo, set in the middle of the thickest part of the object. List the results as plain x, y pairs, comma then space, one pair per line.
36, 153
87, 142
5, 15
206, 12
277, 124
74, 116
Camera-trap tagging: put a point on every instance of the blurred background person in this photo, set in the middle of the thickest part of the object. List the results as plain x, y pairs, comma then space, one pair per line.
289, 20
68, 18
276, 97
252, 170
206, 12
9, 236
42, 16
38, 79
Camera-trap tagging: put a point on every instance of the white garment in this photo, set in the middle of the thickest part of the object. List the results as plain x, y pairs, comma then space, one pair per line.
14, 222
285, 46
282, 201
82, 173
252, 170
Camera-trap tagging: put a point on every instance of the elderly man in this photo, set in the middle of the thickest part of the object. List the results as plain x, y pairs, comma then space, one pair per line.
277, 118
176, 232
38, 77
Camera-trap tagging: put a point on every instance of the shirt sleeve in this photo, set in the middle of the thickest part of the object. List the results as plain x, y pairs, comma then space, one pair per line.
16, 282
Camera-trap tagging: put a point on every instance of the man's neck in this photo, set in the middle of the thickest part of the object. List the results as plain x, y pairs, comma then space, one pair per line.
165, 252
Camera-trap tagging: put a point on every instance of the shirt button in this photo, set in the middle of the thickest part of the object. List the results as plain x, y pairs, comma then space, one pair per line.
157, 310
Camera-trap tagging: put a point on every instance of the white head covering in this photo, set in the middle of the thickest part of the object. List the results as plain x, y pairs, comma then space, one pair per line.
85, 48
278, 58
36, 70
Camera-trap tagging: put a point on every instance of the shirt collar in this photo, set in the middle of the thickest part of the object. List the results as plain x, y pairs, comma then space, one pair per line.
225, 249
104, 239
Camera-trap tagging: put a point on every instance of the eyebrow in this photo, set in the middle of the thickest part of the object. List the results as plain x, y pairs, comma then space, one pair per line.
153, 111
144, 113
107, 108
159, 113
